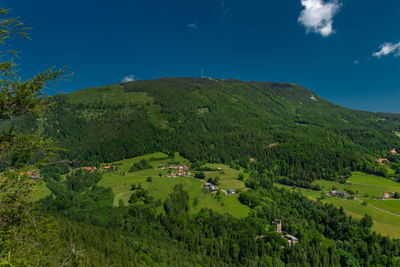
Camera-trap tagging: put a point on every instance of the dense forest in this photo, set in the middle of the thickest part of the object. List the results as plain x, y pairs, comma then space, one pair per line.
284, 128
92, 232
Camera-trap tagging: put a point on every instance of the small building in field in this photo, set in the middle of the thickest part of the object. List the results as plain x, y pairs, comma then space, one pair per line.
393, 151
106, 168
335, 193
231, 192
386, 195
210, 186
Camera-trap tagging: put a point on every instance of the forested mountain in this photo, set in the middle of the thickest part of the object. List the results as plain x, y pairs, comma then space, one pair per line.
284, 128
275, 131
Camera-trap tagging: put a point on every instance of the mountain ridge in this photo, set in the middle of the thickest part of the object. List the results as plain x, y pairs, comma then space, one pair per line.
222, 121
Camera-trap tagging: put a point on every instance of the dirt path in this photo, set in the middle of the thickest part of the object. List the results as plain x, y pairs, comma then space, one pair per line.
381, 210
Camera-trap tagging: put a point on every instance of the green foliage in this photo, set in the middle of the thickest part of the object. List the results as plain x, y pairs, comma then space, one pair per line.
200, 175
19, 151
140, 165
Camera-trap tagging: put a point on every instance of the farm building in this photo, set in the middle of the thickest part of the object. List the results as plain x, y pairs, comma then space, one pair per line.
231, 192
393, 151
210, 186
335, 193
386, 195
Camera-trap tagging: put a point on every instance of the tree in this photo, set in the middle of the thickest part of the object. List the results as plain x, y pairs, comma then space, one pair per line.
367, 221
19, 152
149, 180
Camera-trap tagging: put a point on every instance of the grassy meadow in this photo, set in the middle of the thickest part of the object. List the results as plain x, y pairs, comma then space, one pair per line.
386, 213
161, 187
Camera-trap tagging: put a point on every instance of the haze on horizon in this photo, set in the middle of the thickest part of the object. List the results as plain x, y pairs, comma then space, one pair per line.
345, 51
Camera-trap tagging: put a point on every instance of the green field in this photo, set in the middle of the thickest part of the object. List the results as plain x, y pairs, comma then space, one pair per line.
161, 187
40, 191
227, 176
367, 186
112, 94
386, 213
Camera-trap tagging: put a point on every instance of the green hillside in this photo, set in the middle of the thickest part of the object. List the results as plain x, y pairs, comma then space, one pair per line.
161, 187
385, 213
285, 128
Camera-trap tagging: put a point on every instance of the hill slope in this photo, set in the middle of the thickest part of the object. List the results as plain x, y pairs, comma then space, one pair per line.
284, 127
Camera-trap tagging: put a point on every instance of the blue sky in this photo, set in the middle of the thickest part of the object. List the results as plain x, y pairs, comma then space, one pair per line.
346, 51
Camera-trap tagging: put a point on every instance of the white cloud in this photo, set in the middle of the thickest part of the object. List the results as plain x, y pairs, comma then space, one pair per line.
388, 48
317, 16
356, 62
129, 78
192, 25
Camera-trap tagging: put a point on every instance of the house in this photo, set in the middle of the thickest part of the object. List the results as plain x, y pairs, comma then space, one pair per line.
386, 195
90, 169
335, 193
161, 167
231, 192
393, 151
210, 186
383, 160
107, 168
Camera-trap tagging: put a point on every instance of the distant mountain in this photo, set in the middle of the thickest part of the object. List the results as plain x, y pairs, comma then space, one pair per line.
284, 128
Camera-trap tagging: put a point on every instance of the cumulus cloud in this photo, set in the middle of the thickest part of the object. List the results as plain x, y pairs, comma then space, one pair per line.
129, 78
387, 49
192, 26
317, 16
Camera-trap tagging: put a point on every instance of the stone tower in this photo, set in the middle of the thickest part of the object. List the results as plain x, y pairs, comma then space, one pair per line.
278, 225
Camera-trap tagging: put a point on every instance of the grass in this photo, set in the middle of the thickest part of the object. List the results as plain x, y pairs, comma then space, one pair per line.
311, 194
126, 164
384, 223
365, 184
40, 191
397, 133
389, 205
161, 187
227, 176
111, 94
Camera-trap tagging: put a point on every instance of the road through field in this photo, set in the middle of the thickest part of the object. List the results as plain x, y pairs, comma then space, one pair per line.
381, 210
